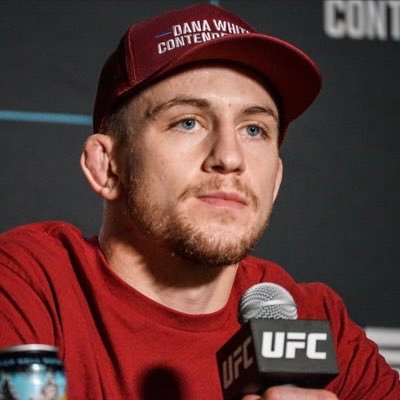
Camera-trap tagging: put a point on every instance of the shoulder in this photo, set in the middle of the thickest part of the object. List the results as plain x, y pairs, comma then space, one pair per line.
39, 231
49, 232
355, 352
38, 244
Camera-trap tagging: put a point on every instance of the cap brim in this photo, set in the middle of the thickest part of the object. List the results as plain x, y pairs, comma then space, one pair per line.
293, 75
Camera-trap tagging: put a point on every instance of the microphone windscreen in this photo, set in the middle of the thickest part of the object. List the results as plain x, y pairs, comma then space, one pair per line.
267, 300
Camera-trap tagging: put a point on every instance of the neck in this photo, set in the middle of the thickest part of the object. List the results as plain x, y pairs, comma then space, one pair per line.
159, 274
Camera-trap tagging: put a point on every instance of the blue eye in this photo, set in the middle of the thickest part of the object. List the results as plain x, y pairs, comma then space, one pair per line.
253, 130
188, 124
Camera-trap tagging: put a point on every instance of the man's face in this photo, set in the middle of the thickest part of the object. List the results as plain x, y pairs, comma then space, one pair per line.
202, 168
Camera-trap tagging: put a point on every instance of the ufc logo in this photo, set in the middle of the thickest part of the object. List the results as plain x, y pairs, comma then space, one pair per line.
284, 345
240, 359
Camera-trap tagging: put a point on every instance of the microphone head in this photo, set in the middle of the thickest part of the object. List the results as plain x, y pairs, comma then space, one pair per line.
267, 300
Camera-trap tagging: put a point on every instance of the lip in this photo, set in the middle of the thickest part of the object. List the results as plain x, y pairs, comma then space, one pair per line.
224, 199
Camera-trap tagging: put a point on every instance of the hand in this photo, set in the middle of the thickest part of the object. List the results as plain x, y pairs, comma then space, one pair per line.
292, 393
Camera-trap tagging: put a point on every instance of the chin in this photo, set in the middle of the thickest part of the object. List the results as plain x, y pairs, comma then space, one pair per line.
212, 249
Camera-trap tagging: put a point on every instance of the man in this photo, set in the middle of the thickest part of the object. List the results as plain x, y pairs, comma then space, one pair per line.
190, 112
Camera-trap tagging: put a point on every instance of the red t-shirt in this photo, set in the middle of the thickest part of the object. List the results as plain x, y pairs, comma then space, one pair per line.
57, 288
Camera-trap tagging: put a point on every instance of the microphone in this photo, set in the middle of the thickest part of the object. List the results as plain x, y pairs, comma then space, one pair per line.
273, 347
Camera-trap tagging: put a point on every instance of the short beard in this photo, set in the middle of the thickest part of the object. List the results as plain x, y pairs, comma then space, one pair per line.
180, 235
198, 248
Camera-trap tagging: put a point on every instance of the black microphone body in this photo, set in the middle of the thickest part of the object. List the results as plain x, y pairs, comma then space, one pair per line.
267, 352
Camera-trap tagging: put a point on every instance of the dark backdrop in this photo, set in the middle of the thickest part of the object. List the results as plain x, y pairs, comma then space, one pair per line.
337, 216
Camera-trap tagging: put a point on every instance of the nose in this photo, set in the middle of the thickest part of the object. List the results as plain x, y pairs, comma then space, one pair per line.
225, 154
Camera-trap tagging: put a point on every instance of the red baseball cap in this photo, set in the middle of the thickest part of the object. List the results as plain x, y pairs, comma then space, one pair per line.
204, 33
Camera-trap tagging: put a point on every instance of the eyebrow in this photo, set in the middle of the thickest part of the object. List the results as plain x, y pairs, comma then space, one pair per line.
178, 101
265, 110
205, 104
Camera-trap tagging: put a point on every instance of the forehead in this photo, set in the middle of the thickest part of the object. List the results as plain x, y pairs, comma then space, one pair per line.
212, 81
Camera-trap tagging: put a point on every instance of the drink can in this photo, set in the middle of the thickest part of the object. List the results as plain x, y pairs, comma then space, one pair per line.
31, 372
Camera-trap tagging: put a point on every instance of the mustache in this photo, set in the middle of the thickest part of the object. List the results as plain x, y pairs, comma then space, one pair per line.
219, 183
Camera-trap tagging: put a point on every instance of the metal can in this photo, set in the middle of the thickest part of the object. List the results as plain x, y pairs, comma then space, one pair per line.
31, 372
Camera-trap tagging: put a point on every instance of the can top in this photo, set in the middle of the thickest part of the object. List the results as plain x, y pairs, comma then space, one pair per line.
28, 347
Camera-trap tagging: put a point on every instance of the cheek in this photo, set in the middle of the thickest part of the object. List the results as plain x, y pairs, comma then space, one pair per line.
162, 178
264, 174
264, 184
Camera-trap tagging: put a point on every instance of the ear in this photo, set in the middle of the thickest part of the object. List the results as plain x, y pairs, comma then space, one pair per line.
278, 178
99, 166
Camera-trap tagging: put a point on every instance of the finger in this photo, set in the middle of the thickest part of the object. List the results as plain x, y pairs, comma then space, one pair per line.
295, 393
